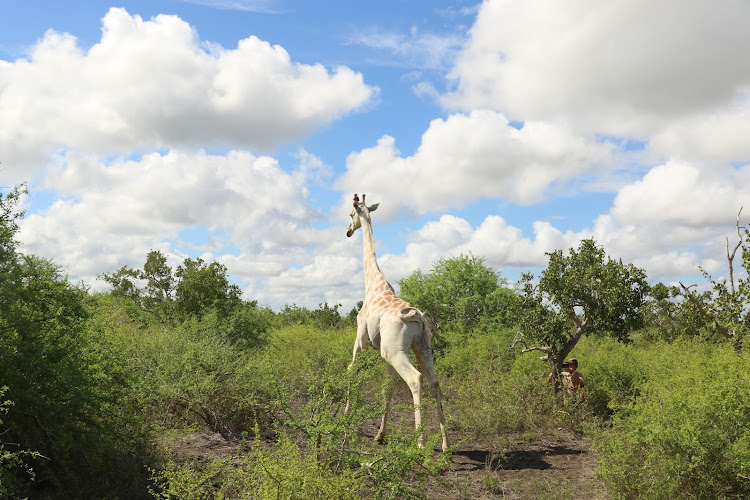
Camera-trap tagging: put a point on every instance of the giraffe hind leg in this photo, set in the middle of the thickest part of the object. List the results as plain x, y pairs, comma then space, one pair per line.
413, 379
425, 359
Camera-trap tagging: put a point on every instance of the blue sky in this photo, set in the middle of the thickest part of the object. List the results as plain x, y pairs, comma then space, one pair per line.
237, 131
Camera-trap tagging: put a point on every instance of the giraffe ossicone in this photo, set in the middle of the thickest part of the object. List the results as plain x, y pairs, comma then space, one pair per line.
394, 327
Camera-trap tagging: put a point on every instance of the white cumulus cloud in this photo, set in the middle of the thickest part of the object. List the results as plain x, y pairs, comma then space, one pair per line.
114, 213
471, 156
682, 194
150, 84
622, 68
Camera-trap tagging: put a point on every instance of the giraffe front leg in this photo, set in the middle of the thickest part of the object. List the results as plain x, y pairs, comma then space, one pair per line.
388, 395
359, 343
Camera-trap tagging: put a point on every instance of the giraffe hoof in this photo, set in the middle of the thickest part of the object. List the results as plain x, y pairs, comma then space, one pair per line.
380, 438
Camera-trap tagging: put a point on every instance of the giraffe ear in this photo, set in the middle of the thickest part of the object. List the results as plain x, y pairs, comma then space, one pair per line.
373, 207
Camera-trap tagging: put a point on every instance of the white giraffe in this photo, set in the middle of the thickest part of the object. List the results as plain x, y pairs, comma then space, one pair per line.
394, 327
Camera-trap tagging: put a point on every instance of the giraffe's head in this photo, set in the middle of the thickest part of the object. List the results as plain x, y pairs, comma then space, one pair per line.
359, 211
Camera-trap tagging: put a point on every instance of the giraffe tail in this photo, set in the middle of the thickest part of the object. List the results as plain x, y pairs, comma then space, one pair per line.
413, 314
410, 314
426, 333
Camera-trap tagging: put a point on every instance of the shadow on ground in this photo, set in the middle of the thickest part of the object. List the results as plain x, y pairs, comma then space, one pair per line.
535, 458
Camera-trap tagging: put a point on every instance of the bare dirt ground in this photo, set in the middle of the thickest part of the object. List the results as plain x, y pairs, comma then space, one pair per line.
515, 467
529, 466
548, 464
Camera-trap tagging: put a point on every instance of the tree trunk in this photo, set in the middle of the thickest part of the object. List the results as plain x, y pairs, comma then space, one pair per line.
554, 365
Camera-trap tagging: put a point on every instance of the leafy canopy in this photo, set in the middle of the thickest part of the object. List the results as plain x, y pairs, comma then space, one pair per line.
460, 291
582, 292
727, 306
192, 290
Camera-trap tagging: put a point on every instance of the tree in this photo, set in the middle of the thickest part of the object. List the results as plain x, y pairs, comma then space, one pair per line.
9, 213
193, 289
668, 317
352, 316
203, 287
151, 289
580, 293
325, 316
460, 291
727, 308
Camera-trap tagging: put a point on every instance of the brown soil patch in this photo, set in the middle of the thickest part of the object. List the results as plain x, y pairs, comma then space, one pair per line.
528, 466
522, 467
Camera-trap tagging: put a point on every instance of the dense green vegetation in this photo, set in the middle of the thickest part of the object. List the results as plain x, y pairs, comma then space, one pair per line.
97, 389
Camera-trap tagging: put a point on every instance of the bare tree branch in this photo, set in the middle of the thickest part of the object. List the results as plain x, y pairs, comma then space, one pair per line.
574, 317
526, 348
730, 257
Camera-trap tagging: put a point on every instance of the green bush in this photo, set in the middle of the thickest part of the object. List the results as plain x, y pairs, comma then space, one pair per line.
193, 375
65, 379
614, 374
460, 294
69, 389
196, 374
303, 350
282, 471
208, 372
15, 463
247, 326
489, 388
465, 354
324, 317
319, 453
687, 433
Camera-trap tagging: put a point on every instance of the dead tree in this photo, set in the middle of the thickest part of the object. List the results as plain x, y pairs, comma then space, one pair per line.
713, 313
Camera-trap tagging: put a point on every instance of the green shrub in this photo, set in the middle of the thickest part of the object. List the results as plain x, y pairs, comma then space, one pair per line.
324, 317
282, 471
460, 294
69, 388
15, 464
248, 326
614, 374
65, 379
303, 350
398, 469
465, 354
489, 388
193, 375
687, 433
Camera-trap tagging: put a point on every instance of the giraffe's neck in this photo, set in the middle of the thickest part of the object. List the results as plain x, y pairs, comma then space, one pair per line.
374, 279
